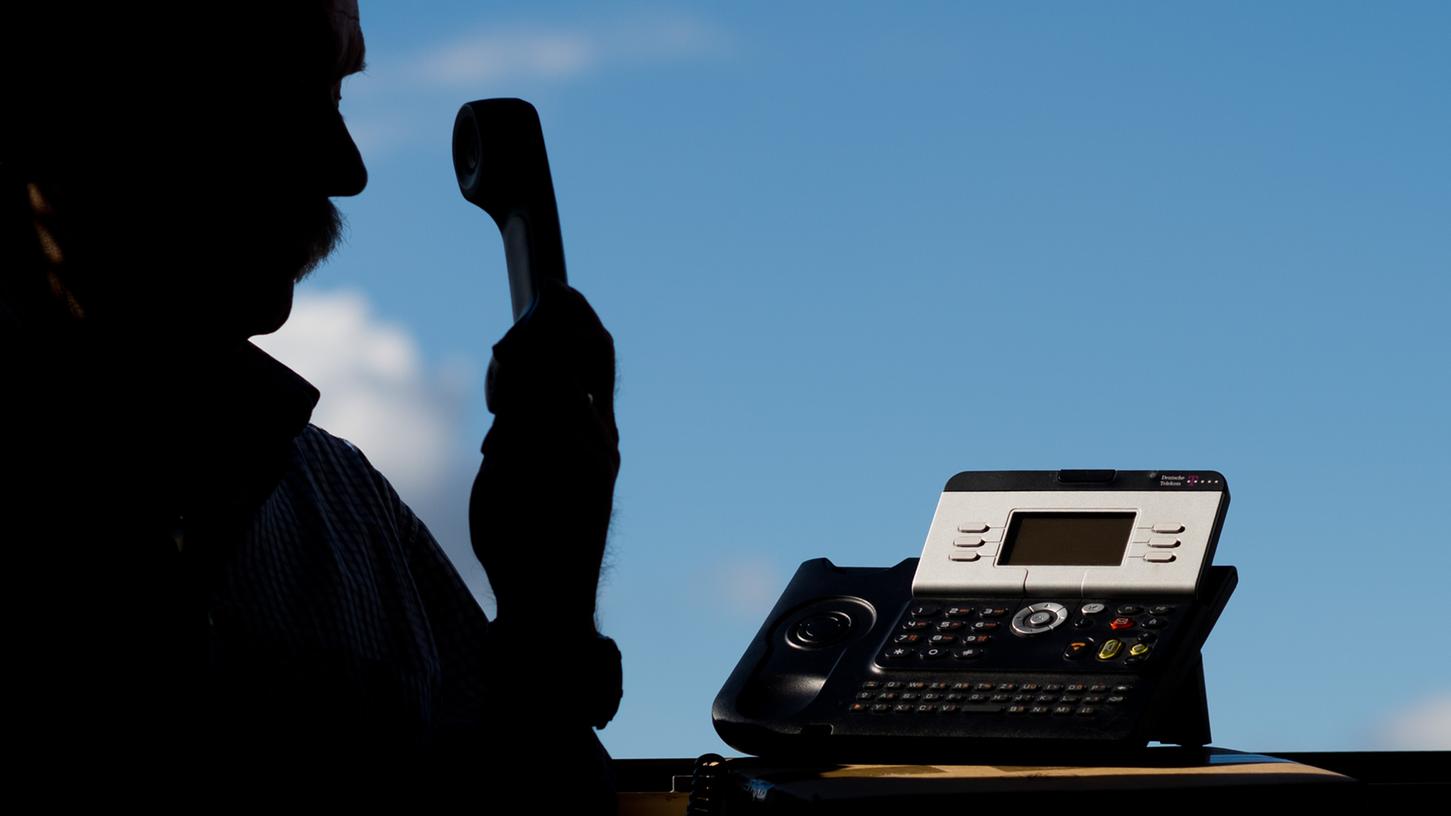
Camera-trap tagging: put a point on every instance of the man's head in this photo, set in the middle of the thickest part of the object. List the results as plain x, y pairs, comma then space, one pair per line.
174, 164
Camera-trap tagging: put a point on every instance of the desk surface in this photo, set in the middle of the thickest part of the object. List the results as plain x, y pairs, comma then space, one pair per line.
1167, 776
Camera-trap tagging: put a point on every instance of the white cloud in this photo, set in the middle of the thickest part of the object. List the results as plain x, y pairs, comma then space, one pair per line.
496, 55
407, 99
377, 391
1423, 726
554, 54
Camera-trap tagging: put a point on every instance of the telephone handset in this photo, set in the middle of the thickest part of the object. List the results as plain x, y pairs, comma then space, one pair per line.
1050, 612
503, 169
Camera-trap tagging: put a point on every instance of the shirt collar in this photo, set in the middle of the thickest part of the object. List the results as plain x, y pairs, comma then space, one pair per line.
248, 392
222, 434
278, 398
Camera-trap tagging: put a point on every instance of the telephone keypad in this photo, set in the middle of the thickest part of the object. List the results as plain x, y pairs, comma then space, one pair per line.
1106, 635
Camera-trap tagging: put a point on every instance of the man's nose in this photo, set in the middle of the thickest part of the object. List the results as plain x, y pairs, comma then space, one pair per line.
344, 173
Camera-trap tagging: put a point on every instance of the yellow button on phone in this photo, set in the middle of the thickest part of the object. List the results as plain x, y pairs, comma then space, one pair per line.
1110, 649
1138, 649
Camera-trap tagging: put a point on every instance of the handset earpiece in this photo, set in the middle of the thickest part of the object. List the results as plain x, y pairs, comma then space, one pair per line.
502, 167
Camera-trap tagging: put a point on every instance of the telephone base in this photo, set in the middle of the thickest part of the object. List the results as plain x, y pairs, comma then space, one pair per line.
814, 684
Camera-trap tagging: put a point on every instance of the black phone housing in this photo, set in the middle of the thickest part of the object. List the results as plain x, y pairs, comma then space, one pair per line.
811, 685
851, 667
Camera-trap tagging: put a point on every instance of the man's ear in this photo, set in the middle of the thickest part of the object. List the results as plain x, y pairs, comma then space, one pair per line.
14, 213
19, 249
30, 289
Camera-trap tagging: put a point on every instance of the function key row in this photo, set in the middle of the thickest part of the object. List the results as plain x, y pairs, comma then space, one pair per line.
914, 649
1124, 622
957, 612
901, 654
939, 639
1133, 651
918, 624
981, 697
1131, 609
931, 709
986, 697
968, 611
1120, 686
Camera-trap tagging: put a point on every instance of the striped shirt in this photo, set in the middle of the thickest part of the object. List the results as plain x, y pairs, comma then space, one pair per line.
230, 581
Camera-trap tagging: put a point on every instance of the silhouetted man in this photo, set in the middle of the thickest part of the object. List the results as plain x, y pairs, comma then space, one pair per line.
201, 585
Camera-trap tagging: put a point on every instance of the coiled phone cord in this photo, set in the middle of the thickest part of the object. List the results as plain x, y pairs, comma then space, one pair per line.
705, 786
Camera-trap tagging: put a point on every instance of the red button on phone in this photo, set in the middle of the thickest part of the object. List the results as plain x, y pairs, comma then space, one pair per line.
1121, 623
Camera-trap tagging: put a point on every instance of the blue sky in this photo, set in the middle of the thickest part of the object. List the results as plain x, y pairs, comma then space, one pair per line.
847, 250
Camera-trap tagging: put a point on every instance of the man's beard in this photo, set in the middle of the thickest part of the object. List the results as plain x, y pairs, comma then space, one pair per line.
319, 238
138, 262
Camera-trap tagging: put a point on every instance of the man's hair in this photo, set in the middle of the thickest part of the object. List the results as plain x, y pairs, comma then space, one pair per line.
163, 101
79, 76
72, 77
75, 68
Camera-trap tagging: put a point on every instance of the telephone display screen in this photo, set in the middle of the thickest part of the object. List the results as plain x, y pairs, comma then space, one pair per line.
1067, 539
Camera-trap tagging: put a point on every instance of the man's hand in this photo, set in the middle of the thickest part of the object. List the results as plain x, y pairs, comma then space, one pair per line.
541, 503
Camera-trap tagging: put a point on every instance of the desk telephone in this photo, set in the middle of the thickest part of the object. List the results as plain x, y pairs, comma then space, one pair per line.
1050, 612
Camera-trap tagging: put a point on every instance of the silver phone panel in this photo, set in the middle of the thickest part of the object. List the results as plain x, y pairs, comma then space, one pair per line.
1156, 560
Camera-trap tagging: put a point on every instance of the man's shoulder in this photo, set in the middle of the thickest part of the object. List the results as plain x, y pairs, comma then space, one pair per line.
317, 440
358, 500
340, 475
327, 454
